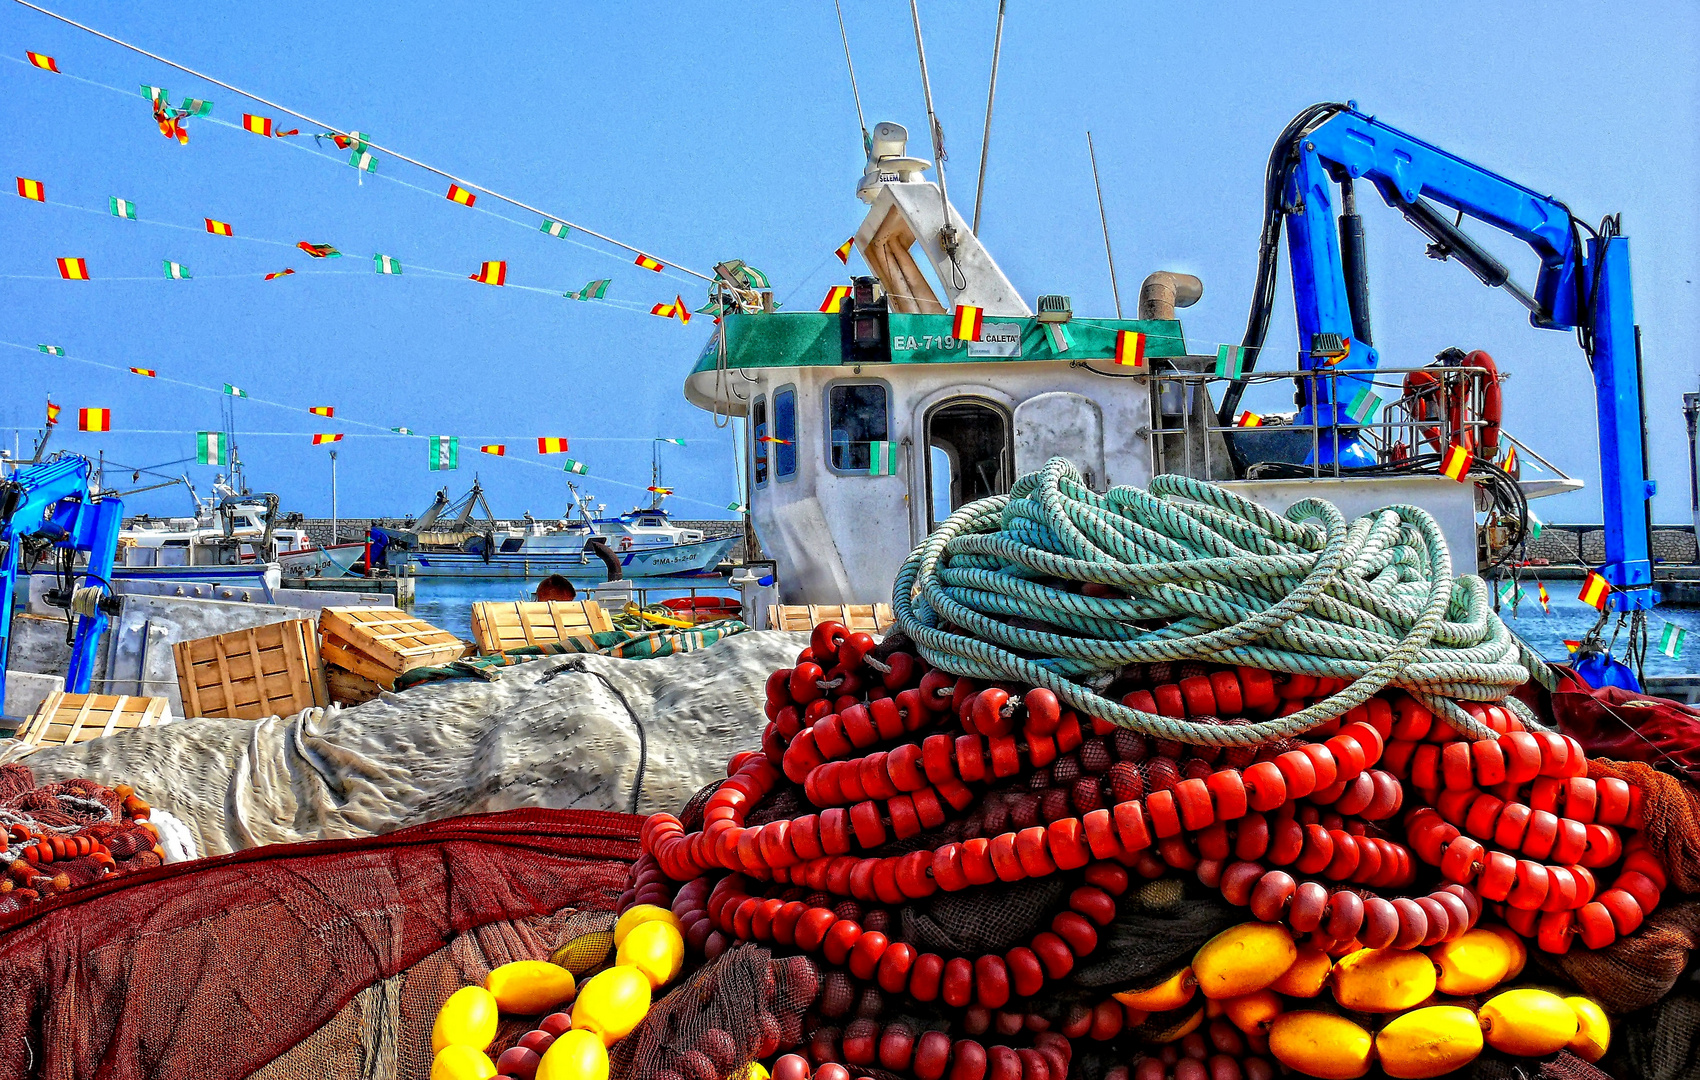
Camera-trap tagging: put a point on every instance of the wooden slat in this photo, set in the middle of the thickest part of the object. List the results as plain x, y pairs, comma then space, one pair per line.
63, 719
336, 655
251, 674
497, 627
350, 688
386, 636
873, 618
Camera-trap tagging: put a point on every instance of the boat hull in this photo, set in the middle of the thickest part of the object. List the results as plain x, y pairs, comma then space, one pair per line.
329, 562
682, 560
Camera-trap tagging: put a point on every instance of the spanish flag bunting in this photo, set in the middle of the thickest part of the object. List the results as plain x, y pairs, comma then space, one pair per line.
52, 350
648, 263
774, 439
1543, 597
492, 273
1510, 462
493, 449
1595, 592
665, 311
966, 325
94, 419
1572, 646
46, 63
551, 446
31, 189
218, 228
835, 298
146, 372
285, 272
461, 195
1130, 348
660, 490
1249, 419
358, 141
74, 269
1457, 463
323, 410
259, 125
320, 438
52, 414
681, 310
844, 250
319, 251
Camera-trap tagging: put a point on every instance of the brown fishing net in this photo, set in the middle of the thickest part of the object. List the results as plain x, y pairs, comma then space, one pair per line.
1635, 971
1659, 1043
1672, 810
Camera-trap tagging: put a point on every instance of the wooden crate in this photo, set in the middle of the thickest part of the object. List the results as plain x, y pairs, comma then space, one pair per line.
497, 627
272, 670
350, 688
874, 618
381, 643
64, 719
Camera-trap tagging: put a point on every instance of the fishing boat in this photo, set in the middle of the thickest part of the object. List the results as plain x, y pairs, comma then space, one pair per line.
229, 532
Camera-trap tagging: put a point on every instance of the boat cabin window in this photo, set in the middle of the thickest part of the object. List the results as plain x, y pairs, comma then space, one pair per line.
513, 543
857, 416
650, 522
785, 432
969, 455
758, 429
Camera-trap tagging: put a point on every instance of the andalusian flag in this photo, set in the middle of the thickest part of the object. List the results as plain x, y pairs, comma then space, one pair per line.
402, 430
1457, 463
665, 311
218, 228
31, 189
1130, 348
94, 419
1509, 464
285, 272
145, 372
596, 290
354, 139
551, 446
259, 125
51, 350
738, 507
1543, 597
46, 63
322, 438
74, 269
176, 271
323, 410
578, 467
1510, 591
234, 391
196, 107
835, 297
212, 448
460, 195
1671, 639
966, 325
52, 414
1058, 334
882, 459
1595, 592
556, 228
1536, 526
383, 264
319, 251
491, 273
365, 162
1363, 406
493, 449
156, 94
674, 442
844, 250
122, 208
1230, 361
444, 452
1249, 419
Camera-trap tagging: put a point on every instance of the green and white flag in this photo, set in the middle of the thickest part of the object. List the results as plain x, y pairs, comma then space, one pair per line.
675, 442
882, 459
578, 467
51, 350
356, 139
123, 208
1670, 641
383, 264
738, 507
1536, 526
556, 228
235, 391
176, 271
155, 93
1057, 333
754, 278
1230, 361
1510, 591
197, 107
402, 430
363, 160
444, 452
1363, 405
212, 448
593, 291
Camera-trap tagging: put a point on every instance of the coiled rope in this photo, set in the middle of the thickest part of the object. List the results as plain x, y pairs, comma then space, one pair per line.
1208, 575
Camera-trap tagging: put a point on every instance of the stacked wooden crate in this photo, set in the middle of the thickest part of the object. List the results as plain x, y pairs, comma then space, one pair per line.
271, 670
64, 719
498, 627
365, 648
874, 618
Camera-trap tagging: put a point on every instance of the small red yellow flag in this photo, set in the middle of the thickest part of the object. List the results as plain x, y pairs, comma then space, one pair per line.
74, 269
492, 273
494, 449
835, 297
94, 419
145, 372
665, 311
1130, 348
52, 413
966, 325
1249, 419
259, 125
1595, 591
46, 63
844, 250
279, 273
319, 438
218, 228
31, 189
551, 446
1509, 464
323, 410
648, 263
681, 310
460, 195
1457, 463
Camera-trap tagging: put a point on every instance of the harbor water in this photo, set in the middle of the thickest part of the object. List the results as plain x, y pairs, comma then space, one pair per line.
447, 601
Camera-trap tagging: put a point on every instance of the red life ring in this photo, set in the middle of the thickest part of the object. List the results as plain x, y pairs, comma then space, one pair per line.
1437, 391
625, 543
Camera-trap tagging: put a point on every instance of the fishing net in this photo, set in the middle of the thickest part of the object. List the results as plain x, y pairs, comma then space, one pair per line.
1661, 1042
1615, 723
66, 835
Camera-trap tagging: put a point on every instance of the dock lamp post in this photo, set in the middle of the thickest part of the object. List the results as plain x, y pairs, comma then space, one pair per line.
333, 499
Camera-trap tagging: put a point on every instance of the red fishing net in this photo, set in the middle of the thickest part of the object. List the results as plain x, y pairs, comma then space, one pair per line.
65, 835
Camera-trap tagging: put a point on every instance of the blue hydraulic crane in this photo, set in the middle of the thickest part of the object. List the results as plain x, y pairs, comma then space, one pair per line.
52, 503
1583, 285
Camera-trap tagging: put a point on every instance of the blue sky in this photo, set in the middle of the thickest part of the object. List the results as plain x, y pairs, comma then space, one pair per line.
701, 134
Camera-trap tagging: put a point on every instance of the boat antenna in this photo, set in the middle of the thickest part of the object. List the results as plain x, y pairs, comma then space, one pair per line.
1109, 254
986, 138
867, 142
947, 235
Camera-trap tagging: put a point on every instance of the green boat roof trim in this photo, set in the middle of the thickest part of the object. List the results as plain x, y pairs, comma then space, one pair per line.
811, 339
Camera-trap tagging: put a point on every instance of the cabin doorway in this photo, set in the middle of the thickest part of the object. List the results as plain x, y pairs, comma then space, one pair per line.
969, 455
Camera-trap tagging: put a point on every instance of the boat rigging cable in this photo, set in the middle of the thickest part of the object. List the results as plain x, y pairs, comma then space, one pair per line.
947, 235
1115, 289
986, 136
398, 155
855, 93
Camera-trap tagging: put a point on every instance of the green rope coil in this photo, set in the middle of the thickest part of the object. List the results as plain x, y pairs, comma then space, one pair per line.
1208, 575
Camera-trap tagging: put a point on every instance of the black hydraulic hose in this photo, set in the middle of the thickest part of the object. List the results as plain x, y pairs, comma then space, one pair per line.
609, 559
1354, 261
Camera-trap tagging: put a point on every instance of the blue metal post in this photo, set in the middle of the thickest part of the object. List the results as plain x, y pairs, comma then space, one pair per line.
94, 529
1624, 487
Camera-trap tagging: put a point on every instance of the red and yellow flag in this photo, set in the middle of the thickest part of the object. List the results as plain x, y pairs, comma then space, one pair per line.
218, 228
551, 446
492, 273
1130, 348
280, 273
52, 414
46, 63
966, 325
460, 195
681, 310
495, 449
1595, 591
94, 419
648, 263
1509, 464
259, 125
1249, 419
74, 269
660, 490
835, 298
323, 410
1545, 599
146, 372
1457, 463
31, 189
319, 438
665, 311
844, 250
